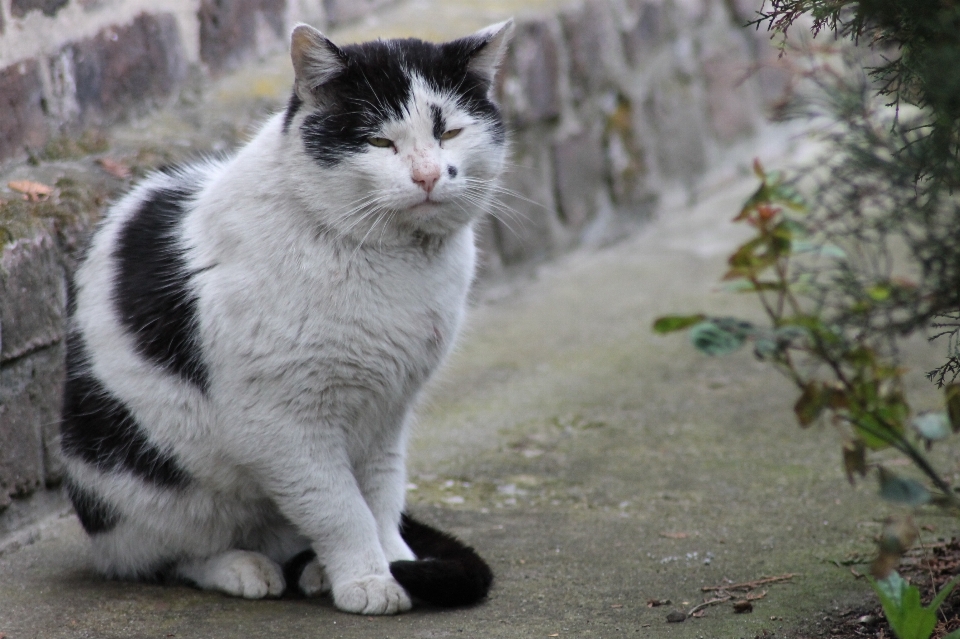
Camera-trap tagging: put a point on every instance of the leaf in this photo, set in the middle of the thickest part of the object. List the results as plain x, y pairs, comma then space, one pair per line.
710, 338
786, 335
855, 459
890, 590
874, 434
32, 191
114, 167
810, 404
822, 249
879, 292
952, 393
672, 323
908, 618
902, 490
932, 426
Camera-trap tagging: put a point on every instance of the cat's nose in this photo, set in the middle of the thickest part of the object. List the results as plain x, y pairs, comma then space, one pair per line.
426, 177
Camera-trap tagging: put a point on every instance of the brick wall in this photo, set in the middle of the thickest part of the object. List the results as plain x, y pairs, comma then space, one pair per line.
611, 103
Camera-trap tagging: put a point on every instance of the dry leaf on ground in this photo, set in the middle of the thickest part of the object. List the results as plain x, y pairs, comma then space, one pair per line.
114, 167
32, 191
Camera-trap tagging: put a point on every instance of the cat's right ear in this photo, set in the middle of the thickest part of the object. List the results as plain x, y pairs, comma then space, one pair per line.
316, 61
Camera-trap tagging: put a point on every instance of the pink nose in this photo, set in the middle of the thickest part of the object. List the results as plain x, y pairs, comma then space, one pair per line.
426, 177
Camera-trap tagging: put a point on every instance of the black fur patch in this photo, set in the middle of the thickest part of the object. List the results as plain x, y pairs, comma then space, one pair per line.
292, 107
452, 171
439, 126
447, 571
293, 570
95, 515
99, 429
152, 292
376, 85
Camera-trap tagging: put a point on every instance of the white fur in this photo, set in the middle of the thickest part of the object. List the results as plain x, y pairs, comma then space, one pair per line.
320, 321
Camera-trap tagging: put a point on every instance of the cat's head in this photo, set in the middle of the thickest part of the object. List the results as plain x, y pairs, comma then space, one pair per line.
398, 133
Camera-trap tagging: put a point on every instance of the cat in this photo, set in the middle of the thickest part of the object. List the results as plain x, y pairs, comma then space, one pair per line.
248, 335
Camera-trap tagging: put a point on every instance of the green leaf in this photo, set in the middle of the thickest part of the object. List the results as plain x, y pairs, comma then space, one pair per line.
890, 590
879, 292
821, 249
902, 490
932, 426
874, 434
944, 593
672, 323
901, 605
714, 339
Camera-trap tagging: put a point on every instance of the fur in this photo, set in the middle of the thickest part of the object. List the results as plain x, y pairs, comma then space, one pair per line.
249, 335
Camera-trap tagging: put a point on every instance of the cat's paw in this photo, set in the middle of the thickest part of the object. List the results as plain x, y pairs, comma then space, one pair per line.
246, 574
373, 595
313, 579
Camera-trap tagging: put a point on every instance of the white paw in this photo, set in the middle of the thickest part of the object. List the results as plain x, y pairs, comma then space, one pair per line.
242, 573
313, 579
373, 595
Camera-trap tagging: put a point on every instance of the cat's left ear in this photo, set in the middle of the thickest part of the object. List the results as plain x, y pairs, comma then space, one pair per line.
489, 46
316, 60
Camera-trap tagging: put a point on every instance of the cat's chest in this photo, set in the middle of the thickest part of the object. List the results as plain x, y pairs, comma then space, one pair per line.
331, 312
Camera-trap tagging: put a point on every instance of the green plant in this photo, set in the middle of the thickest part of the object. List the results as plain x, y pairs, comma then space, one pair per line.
824, 313
907, 617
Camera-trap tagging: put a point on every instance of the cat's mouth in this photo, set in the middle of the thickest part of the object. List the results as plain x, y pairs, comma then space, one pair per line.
426, 205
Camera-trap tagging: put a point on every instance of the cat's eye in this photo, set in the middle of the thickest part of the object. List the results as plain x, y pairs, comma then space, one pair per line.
380, 143
450, 134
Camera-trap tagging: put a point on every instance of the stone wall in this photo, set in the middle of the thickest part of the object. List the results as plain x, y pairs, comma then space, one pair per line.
70, 64
611, 103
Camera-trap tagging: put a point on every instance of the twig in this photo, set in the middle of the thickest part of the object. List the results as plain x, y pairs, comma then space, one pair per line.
750, 585
708, 603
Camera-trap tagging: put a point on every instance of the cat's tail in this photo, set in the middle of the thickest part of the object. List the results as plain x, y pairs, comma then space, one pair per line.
446, 572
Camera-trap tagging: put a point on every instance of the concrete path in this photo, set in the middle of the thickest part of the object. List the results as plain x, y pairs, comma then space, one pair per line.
596, 465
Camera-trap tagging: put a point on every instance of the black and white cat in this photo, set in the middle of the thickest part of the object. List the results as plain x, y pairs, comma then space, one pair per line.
248, 336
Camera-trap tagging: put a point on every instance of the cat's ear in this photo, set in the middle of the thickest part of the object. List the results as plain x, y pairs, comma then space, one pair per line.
489, 48
316, 61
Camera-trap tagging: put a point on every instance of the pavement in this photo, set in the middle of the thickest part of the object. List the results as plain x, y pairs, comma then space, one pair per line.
595, 465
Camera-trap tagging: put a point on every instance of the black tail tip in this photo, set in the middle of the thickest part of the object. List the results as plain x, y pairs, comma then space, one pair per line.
446, 572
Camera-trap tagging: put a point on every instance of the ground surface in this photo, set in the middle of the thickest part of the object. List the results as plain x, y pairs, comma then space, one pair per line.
595, 465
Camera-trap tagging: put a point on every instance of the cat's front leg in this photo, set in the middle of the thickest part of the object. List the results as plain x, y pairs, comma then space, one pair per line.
319, 493
382, 477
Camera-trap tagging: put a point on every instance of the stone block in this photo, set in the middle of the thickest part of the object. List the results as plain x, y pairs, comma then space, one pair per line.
32, 296
233, 31
341, 11
677, 125
526, 223
645, 31
745, 11
22, 107
627, 151
45, 393
532, 83
596, 54
729, 96
20, 8
123, 68
21, 436
580, 170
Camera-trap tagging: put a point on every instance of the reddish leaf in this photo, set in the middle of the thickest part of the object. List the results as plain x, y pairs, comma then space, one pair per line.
32, 191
